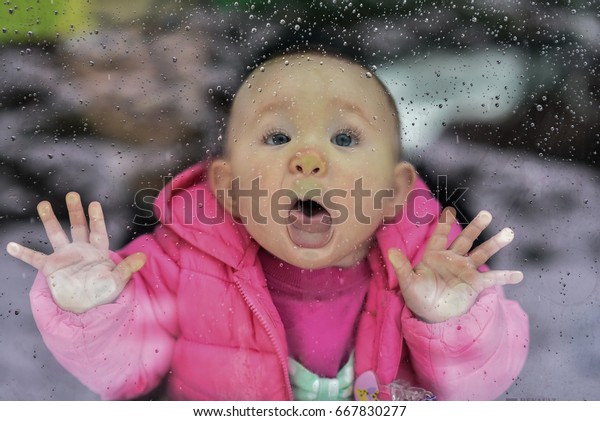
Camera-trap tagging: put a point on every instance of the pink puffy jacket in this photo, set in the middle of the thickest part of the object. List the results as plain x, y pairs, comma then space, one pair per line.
199, 315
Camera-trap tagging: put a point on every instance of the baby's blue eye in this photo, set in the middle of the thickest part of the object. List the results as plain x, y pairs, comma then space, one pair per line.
343, 139
277, 139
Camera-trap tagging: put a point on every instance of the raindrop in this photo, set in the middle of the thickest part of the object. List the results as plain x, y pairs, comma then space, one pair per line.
369, 75
539, 107
282, 21
297, 27
174, 59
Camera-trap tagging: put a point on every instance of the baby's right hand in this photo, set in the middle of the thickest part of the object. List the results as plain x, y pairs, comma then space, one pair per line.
80, 273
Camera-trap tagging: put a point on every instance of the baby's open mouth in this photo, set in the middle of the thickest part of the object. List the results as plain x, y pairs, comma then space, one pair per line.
309, 224
309, 207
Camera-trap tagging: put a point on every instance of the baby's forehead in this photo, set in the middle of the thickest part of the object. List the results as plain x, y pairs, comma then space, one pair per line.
306, 68
327, 76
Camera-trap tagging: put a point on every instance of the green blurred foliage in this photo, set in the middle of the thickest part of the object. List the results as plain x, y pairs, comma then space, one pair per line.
35, 20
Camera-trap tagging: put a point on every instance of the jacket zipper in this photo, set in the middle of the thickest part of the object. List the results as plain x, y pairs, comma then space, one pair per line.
278, 350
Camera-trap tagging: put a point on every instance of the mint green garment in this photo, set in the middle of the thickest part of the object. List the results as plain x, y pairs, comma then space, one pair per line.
307, 386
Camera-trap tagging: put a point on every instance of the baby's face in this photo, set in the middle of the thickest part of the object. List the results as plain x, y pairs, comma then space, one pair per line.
311, 155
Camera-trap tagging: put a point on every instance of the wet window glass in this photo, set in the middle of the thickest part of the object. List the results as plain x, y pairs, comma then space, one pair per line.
499, 111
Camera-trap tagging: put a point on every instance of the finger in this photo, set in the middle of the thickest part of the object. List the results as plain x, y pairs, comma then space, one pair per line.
439, 238
79, 227
129, 266
98, 234
481, 254
31, 257
401, 265
463, 243
496, 277
54, 230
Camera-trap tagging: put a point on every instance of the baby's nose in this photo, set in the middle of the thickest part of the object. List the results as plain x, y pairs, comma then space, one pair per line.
308, 163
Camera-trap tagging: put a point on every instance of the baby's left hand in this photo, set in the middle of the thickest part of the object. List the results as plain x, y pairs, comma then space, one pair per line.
447, 282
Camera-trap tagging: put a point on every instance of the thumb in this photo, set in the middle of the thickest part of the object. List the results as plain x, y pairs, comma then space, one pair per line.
401, 264
129, 266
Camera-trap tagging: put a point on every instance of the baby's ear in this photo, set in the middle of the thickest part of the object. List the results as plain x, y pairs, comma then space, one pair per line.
219, 179
405, 176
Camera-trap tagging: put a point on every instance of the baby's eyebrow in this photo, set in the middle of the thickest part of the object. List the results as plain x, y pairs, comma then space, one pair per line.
353, 107
341, 104
268, 106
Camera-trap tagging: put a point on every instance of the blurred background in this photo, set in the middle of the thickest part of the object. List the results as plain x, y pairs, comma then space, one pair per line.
499, 100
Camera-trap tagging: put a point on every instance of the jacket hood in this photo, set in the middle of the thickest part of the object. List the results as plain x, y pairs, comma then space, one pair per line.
187, 207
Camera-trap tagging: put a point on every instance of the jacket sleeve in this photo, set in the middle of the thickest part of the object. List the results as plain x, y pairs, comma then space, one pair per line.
476, 356
123, 349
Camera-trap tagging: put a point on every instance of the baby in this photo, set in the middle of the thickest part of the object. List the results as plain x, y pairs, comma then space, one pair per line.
307, 261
